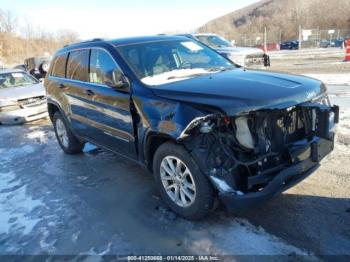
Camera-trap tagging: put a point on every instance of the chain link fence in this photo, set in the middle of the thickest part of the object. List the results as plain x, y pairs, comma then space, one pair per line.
256, 39
323, 38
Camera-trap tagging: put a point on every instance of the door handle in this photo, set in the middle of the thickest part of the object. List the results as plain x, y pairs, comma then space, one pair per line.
89, 92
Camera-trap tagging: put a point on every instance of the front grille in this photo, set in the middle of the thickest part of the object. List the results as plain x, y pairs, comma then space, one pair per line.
33, 101
254, 59
286, 127
291, 123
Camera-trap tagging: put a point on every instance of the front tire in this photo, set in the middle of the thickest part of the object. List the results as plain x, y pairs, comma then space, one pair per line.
67, 141
181, 184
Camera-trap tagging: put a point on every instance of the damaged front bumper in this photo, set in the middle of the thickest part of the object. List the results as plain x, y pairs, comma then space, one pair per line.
249, 183
251, 158
306, 159
23, 115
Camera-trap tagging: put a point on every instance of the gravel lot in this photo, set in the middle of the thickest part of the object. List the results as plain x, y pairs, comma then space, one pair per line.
100, 203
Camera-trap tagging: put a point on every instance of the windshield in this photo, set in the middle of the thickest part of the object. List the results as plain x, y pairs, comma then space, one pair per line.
162, 62
214, 41
16, 79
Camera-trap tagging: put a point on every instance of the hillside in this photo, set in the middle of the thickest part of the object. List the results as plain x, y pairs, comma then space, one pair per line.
282, 18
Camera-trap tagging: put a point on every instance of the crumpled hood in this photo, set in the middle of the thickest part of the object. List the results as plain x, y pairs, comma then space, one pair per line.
23, 92
238, 91
240, 50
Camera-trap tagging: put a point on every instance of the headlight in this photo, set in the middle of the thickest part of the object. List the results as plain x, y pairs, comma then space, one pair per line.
4, 103
243, 134
8, 105
331, 121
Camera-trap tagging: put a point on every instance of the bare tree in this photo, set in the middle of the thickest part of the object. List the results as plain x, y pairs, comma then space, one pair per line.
65, 37
8, 22
283, 18
18, 43
27, 29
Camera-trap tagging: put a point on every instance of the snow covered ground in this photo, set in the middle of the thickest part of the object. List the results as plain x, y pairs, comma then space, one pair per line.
58, 204
51, 203
332, 79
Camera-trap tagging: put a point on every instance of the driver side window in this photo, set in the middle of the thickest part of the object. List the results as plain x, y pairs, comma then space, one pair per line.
102, 66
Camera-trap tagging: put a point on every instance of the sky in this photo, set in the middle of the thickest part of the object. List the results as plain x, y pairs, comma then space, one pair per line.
108, 18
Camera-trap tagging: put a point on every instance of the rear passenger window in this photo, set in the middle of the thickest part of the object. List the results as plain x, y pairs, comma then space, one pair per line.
102, 65
78, 64
59, 66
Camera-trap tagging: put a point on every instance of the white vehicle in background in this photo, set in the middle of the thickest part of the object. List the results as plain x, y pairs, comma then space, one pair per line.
243, 56
22, 97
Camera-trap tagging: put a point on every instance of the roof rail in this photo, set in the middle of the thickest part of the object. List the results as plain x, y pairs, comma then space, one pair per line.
87, 41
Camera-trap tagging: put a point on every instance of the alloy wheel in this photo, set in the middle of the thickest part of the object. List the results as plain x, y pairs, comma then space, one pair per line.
62, 133
178, 181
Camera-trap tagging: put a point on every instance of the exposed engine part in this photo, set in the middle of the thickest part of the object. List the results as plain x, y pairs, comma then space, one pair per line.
243, 134
206, 128
193, 124
247, 151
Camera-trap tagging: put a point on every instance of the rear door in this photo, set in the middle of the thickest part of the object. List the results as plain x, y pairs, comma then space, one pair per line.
75, 88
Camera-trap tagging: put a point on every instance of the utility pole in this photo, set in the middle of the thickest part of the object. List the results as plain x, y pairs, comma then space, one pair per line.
265, 40
300, 37
1, 48
280, 40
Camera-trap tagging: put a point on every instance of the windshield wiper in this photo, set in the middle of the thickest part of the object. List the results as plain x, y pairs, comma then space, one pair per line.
211, 69
218, 69
185, 76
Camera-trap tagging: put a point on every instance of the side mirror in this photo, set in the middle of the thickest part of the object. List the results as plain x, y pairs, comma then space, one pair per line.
116, 80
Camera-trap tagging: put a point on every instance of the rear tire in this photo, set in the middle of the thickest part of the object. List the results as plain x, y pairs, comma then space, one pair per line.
66, 139
181, 184
43, 68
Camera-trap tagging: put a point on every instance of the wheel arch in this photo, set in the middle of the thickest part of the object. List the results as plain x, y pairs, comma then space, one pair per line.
152, 142
52, 108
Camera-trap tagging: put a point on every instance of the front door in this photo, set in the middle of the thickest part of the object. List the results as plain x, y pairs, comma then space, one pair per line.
110, 119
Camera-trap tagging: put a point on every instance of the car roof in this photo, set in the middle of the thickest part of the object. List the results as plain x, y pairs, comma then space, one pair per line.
205, 34
6, 71
122, 41
145, 39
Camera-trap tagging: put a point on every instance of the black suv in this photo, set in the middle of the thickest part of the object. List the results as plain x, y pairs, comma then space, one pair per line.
205, 128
